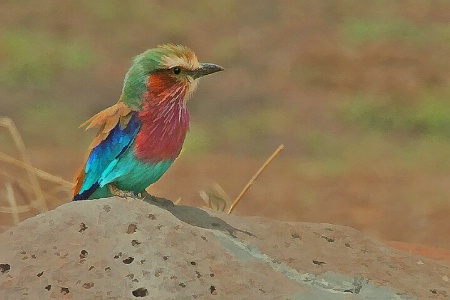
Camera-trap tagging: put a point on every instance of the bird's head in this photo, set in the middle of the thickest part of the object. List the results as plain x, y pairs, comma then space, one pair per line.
164, 74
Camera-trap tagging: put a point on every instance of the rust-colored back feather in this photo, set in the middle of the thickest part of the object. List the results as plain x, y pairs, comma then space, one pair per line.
107, 119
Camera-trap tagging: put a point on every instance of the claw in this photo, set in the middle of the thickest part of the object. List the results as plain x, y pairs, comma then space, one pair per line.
120, 193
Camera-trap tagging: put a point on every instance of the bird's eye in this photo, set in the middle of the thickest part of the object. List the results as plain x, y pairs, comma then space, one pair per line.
176, 70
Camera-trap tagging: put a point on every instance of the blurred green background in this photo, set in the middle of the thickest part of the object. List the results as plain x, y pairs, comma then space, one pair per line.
358, 91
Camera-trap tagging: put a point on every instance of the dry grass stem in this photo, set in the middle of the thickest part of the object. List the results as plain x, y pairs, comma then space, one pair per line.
38, 172
252, 180
12, 202
18, 141
213, 201
60, 189
19, 209
21, 187
24, 208
221, 192
16, 185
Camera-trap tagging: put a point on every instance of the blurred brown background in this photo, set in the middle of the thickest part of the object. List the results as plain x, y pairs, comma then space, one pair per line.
358, 91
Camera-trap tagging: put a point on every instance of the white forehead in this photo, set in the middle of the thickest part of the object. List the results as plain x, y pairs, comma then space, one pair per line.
176, 61
181, 56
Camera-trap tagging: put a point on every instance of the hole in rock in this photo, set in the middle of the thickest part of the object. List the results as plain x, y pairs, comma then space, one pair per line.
140, 292
318, 262
328, 239
5, 268
83, 227
128, 260
131, 228
212, 289
83, 254
295, 236
88, 285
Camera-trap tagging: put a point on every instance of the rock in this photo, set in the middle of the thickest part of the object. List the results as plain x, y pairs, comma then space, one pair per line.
127, 249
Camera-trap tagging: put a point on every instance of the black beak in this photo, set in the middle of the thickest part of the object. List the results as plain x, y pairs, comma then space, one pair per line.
206, 69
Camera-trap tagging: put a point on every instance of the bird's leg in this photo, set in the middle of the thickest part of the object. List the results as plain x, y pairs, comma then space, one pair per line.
120, 193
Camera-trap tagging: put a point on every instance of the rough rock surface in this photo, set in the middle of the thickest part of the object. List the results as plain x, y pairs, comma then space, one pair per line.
126, 249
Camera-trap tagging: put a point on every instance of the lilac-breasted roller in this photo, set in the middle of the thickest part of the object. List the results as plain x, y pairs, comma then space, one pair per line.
142, 134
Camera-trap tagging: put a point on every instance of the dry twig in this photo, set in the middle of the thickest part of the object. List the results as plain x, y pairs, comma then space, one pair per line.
214, 201
9, 125
252, 180
12, 202
38, 172
22, 186
217, 200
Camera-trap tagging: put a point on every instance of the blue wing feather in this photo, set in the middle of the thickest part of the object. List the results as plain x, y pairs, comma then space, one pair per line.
106, 154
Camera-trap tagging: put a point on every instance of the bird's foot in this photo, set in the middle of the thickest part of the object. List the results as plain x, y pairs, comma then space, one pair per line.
120, 193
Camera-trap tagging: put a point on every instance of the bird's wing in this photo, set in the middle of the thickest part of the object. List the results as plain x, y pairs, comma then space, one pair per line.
118, 127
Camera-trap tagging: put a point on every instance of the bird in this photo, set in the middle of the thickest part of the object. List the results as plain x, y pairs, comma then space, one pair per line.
141, 135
